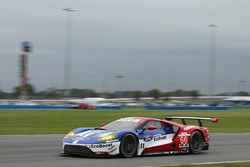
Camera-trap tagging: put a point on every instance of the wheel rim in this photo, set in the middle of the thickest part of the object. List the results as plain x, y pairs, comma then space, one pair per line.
196, 142
129, 146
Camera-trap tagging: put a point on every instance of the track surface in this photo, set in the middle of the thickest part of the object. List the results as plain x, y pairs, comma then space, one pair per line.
42, 151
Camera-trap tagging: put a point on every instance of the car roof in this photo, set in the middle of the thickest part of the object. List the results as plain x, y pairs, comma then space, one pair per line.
143, 119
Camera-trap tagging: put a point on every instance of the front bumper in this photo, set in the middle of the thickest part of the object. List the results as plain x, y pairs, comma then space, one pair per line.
77, 150
104, 149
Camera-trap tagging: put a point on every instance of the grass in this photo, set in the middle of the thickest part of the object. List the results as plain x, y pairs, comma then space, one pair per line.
62, 121
239, 164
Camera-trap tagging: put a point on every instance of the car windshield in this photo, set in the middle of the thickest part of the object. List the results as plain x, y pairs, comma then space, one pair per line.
123, 124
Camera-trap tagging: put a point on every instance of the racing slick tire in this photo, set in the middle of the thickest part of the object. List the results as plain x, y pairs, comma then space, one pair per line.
196, 142
128, 146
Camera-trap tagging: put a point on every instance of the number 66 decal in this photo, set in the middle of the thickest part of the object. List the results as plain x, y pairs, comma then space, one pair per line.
183, 140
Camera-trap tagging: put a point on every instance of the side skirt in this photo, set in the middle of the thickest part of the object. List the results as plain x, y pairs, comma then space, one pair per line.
165, 152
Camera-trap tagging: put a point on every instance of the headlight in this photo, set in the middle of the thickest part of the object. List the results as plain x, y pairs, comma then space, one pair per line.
109, 137
70, 134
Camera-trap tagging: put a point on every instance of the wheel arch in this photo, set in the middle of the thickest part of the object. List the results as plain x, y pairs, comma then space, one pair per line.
137, 139
198, 130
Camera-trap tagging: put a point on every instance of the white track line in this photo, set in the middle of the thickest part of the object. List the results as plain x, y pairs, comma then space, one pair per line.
220, 162
203, 163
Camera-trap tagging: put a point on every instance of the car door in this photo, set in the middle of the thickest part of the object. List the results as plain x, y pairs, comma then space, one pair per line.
158, 139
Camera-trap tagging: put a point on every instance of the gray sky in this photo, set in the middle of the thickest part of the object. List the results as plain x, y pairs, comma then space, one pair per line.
160, 44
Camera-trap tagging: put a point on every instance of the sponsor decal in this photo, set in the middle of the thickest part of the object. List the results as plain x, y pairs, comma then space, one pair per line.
159, 137
184, 134
100, 145
147, 138
112, 149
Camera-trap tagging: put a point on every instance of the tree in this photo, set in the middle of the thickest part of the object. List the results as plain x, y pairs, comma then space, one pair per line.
155, 93
137, 95
179, 92
1, 93
166, 96
17, 91
195, 94
242, 94
29, 89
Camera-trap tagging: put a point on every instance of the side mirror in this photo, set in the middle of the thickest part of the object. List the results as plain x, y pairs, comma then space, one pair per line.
103, 124
151, 127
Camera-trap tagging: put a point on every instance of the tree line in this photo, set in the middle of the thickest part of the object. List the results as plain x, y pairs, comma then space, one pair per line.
54, 93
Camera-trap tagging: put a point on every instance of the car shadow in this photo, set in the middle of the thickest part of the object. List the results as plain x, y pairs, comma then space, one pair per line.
120, 157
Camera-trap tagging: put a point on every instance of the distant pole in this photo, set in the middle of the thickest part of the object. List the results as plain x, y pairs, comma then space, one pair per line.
68, 46
26, 49
23, 75
119, 83
212, 63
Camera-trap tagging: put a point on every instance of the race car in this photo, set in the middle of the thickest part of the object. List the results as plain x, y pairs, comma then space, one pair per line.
84, 106
135, 136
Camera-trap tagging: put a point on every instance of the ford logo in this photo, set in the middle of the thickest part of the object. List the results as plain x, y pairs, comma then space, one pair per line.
147, 138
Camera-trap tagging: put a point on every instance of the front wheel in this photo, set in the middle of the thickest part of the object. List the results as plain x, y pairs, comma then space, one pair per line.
196, 142
128, 145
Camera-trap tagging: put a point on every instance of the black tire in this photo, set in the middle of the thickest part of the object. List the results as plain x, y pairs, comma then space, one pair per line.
196, 142
128, 147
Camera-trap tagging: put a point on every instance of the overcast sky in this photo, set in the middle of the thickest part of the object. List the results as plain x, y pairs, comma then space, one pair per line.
160, 44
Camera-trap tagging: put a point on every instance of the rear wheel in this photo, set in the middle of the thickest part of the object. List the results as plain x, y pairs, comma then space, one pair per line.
196, 142
128, 145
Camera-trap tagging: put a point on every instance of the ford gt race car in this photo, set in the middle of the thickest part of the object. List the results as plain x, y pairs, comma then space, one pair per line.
135, 136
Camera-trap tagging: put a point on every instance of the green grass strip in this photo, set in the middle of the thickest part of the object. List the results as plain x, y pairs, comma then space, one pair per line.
62, 121
236, 164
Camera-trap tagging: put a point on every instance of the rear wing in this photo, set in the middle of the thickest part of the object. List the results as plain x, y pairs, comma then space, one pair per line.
199, 119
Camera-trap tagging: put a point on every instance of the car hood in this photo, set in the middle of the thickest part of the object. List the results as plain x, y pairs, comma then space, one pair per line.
91, 136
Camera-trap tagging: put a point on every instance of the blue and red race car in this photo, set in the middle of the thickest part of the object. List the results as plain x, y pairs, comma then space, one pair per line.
135, 136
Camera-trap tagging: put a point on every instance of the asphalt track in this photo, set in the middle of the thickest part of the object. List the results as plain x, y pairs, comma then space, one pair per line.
43, 151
